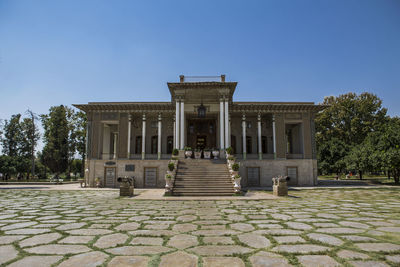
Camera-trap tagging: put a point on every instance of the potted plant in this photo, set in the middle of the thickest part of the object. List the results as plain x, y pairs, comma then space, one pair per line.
175, 152
197, 153
215, 153
229, 151
235, 169
207, 153
188, 152
171, 167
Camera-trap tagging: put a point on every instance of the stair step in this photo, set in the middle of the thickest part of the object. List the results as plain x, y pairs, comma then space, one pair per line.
202, 178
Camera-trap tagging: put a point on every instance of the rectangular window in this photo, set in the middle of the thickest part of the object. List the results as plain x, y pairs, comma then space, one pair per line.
154, 141
138, 147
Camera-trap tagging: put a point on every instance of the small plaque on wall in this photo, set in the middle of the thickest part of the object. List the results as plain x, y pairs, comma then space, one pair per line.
129, 168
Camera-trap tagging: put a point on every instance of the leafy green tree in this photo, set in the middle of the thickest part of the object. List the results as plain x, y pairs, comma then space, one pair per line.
331, 155
56, 134
12, 137
80, 135
8, 166
348, 118
387, 148
30, 136
76, 166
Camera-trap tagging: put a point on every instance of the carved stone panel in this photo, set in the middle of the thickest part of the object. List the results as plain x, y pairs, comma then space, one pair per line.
253, 176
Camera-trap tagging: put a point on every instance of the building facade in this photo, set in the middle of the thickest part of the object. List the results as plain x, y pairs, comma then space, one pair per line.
137, 138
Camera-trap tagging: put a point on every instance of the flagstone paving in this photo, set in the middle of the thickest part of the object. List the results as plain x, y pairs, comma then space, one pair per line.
326, 227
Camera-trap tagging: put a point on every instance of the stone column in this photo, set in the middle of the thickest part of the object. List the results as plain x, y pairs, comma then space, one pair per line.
244, 136
144, 137
129, 136
182, 122
260, 152
307, 139
226, 111
159, 137
115, 145
274, 135
221, 124
176, 135
174, 141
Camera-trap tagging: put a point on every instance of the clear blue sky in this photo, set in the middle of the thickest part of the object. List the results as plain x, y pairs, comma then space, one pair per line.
65, 52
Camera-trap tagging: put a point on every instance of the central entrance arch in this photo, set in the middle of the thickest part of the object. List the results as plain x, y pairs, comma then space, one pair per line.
202, 133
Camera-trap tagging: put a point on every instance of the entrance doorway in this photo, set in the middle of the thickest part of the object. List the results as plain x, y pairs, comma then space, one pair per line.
201, 133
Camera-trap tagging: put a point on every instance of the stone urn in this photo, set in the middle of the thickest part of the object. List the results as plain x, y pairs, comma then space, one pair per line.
168, 183
215, 154
188, 153
197, 154
207, 154
236, 183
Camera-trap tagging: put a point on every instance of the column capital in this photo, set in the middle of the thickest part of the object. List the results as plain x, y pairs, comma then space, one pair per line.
144, 117
243, 117
259, 116
159, 117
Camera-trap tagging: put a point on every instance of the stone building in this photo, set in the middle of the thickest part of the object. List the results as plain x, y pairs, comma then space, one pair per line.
137, 138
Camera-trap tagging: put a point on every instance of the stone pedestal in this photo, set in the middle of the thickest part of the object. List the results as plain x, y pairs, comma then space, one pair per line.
280, 186
125, 187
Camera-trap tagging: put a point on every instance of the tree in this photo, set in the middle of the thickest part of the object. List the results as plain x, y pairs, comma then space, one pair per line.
387, 148
12, 137
331, 155
80, 135
56, 133
30, 136
348, 118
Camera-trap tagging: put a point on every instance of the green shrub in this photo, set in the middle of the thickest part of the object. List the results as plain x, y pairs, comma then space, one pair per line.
168, 176
229, 150
231, 158
171, 166
236, 176
188, 148
235, 167
175, 152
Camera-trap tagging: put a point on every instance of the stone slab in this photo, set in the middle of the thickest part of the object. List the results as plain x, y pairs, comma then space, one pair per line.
180, 258
7, 253
138, 250
108, 241
215, 250
222, 262
39, 239
58, 249
304, 248
267, 259
36, 261
317, 260
132, 261
90, 259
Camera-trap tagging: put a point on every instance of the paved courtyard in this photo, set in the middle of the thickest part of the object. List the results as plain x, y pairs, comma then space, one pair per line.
317, 227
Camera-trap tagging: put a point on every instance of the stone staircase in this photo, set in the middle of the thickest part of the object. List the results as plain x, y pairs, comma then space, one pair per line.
202, 177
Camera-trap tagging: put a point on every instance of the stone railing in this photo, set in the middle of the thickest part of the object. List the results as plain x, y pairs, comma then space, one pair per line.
170, 176
233, 168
